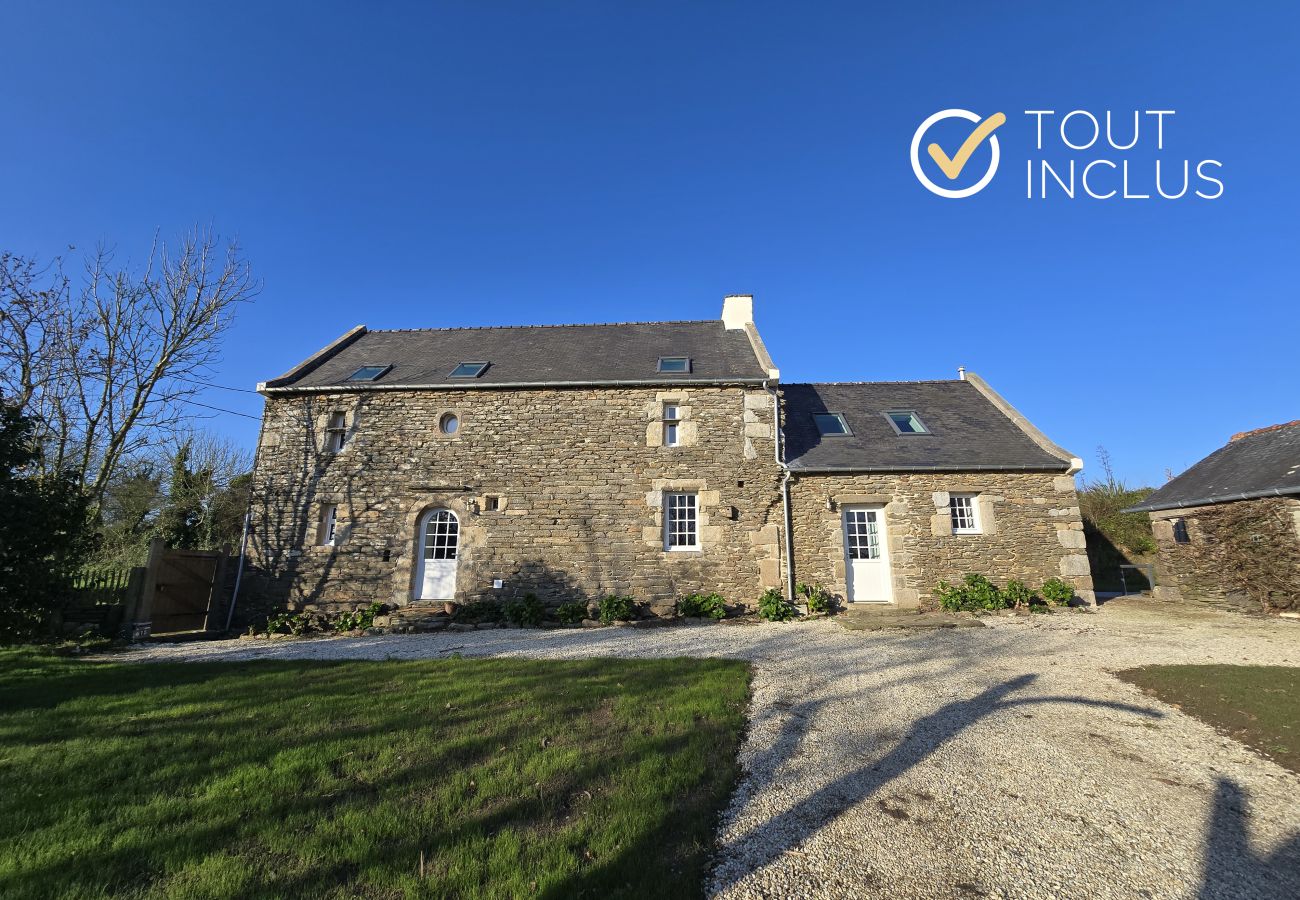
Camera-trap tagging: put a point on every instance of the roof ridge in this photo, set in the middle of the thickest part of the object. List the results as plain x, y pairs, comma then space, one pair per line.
1267, 428
556, 325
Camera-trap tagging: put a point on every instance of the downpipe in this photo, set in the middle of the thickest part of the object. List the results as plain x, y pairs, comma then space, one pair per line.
778, 444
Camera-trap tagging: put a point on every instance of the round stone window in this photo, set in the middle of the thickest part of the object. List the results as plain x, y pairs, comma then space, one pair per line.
449, 423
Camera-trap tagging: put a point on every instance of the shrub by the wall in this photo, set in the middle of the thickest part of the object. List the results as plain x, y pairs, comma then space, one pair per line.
616, 609
702, 606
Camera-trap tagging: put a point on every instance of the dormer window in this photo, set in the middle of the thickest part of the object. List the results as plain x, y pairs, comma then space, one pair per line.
831, 424
369, 373
906, 421
675, 364
469, 370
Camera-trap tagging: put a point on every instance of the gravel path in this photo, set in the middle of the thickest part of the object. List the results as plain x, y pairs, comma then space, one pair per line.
1002, 762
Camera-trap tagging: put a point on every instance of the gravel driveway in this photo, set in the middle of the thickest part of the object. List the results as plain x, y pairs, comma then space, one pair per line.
1002, 761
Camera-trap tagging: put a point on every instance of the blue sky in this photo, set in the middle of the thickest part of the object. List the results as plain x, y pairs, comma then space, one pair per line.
419, 165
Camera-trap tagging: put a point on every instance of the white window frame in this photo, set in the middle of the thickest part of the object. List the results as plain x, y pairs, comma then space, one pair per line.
336, 432
673, 512
967, 508
672, 425
329, 525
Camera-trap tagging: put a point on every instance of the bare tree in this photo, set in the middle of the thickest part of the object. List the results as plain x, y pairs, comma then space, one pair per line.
108, 366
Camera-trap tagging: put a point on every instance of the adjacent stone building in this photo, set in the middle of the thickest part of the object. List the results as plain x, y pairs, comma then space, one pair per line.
574, 462
898, 485
1228, 529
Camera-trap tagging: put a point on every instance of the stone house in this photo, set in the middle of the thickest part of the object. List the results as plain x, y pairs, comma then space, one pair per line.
1228, 529
644, 459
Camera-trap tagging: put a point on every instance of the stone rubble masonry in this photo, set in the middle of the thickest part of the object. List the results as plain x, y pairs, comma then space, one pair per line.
1031, 529
577, 476
1186, 571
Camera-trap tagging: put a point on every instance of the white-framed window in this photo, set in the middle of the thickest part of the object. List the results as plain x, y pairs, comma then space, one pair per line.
672, 425
336, 432
681, 522
964, 509
329, 523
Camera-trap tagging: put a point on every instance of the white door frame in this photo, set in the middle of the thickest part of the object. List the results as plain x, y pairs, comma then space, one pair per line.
874, 575
437, 555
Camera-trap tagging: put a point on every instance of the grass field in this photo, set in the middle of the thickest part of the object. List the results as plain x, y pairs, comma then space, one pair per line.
1257, 705
511, 778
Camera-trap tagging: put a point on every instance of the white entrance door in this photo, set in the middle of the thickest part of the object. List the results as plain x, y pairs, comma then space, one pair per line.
867, 565
439, 541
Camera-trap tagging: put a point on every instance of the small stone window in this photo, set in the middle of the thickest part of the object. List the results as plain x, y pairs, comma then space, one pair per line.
449, 423
491, 503
329, 524
681, 522
1181, 535
964, 509
672, 425
336, 432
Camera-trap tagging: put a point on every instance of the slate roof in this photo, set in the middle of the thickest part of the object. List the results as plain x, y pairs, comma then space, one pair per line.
968, 432
1263, 463
534, 355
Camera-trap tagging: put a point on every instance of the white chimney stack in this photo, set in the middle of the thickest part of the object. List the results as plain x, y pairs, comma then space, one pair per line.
961, 372
737, 311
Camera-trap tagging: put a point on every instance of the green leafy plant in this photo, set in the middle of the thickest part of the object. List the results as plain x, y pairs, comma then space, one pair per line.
818, 598
702, 606
614, 608
773, 606
1017, 594
1039, 608
1056, 591
291, 623
528, 612
975, 592
571, 613
358, 619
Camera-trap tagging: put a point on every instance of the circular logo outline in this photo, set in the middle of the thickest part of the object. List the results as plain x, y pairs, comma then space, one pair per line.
916, 155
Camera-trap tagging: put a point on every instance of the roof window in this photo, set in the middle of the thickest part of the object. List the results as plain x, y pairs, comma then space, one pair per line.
469, 370
369, 373
831, 423
674, 364
906, 421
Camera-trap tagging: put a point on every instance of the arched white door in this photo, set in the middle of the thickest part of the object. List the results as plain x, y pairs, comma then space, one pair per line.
439, 542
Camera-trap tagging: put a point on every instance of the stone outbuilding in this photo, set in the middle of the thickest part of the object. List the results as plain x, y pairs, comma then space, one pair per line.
897, 485
643, 459
1228, 529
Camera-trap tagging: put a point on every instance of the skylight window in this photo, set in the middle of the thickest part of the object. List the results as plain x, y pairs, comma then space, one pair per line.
906, 421
469, 370
674, 364
831, 423
368, 373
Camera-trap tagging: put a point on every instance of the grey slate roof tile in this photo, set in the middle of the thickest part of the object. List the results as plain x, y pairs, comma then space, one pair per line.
967, 431
1257, 464
545, 354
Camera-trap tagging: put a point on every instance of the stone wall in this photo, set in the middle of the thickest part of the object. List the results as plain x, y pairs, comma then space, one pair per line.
1187, 569
576, 478
1032, 529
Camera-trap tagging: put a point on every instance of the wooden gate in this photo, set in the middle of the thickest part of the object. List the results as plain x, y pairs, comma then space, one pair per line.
178, 591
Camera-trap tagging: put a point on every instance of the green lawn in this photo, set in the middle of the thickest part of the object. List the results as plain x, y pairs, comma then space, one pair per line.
1257, 705
513, 777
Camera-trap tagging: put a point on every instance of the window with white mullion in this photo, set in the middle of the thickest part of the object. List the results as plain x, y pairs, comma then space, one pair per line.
965, 514
672, 426
329, 520
336, 432
681, 522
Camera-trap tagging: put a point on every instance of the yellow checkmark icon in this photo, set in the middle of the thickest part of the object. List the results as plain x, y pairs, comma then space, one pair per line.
952, 167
